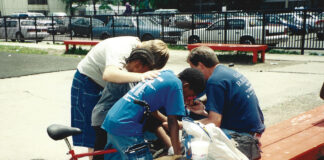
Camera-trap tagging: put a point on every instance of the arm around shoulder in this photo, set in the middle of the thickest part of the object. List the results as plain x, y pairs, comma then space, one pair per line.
116, 75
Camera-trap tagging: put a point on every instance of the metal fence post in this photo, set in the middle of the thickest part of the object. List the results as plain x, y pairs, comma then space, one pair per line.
35, 20
5, 25
225, 29
91, 34
54, 30
304, 33
70, 24
192, 24
19, 28
263, 27
137, 31
113, 25
162, 22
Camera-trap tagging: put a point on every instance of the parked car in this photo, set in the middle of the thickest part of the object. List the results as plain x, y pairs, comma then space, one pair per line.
319, 26
52, 27
293, 28
26, 30
297, 18
62, 21
24, 15
81, 26
146, 29
244, 30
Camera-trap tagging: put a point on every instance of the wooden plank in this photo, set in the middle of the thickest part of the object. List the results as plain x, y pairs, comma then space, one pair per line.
301, 137
292, 126
302, 144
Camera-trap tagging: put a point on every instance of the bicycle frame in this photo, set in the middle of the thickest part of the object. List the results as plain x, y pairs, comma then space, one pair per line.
76, 156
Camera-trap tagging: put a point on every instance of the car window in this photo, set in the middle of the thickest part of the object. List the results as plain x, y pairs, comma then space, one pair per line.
236, 24
218, 25
146, 22
11, 23
27, 23
255, 22
123, 23
274, 20
97, 23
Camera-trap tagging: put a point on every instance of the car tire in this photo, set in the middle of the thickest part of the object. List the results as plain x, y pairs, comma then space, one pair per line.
104, 36
247, 40
194, 39
320, 36
20, 37
147, 37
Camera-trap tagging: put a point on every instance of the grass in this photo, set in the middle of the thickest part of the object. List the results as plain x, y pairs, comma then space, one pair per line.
276, 51
77, 51
18, 49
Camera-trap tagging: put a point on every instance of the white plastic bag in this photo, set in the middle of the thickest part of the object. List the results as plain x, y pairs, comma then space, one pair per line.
198, 136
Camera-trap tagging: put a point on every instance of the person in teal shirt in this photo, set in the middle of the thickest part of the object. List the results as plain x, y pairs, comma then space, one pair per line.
124, 121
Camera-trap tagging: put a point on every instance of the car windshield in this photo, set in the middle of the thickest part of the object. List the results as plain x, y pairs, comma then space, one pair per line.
146, 22
28, 23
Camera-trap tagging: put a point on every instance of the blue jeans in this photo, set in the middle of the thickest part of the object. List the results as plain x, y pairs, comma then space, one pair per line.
85, 94
123, 143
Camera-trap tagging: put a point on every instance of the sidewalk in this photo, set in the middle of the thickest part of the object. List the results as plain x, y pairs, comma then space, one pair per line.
286, 85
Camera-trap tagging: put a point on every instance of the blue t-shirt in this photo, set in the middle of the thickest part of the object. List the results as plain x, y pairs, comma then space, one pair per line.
165, 91
230, 94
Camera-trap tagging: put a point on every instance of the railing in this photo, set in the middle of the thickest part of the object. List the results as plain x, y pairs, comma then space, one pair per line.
298, 29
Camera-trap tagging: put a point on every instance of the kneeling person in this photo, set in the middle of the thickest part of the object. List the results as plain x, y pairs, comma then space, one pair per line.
124, 123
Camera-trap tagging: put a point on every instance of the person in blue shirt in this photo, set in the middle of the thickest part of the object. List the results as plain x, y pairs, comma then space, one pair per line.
231, 103
124, 121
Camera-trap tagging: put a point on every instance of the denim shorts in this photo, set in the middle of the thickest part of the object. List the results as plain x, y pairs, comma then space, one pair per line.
126, 150
85, 94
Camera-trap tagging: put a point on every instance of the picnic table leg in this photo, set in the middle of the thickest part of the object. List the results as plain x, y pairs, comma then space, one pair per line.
263, 56
66, 47
255, 56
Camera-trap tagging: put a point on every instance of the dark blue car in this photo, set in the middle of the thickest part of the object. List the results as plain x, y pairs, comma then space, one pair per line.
293, 27
142, 27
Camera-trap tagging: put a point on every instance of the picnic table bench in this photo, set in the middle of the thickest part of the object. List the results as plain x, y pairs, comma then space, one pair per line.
78, 42
298, 138
235, 47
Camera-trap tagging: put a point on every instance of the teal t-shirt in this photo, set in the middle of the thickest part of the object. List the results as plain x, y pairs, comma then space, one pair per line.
165, 91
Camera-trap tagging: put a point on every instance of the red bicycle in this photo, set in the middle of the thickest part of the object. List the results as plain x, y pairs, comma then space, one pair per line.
59, 132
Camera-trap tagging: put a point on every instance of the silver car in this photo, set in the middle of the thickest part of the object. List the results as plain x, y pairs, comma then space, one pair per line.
22, 31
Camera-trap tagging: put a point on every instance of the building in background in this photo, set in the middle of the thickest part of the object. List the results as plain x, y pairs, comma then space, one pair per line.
8, 7
291, 4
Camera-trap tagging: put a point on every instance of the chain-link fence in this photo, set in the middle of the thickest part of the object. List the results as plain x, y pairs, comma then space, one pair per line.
303, 29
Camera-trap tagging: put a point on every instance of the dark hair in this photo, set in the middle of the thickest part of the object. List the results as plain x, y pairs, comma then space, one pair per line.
160, 61
203, 54
195, 78
143, 55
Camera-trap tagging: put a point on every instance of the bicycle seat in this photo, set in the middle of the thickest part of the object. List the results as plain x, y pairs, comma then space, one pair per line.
58, 132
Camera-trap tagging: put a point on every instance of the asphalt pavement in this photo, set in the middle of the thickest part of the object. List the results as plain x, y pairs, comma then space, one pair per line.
16, 64
38, 94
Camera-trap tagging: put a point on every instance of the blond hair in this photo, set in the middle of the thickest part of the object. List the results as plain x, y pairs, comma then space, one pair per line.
160, 51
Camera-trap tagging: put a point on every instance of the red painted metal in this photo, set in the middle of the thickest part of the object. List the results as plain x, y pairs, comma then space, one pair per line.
76, 156
78, 42
235, 47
